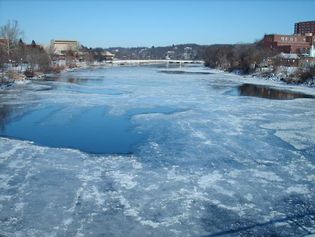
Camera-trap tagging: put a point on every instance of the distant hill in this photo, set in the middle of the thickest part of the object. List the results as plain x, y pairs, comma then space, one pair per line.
181, 51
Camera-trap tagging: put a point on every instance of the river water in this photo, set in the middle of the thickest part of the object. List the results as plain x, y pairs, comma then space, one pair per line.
153, 151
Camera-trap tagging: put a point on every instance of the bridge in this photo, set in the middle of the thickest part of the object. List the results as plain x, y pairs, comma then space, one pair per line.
155, 61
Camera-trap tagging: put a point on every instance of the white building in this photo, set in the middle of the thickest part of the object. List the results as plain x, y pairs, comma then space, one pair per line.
170, 55
188, 53
61, 46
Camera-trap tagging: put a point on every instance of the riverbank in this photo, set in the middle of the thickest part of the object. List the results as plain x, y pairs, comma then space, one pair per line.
238, 79
287, 75
276, 82
14, 75
10, 78
273, 82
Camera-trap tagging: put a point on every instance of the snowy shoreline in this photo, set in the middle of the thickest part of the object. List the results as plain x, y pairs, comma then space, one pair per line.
259, 80
250, 79
256, 79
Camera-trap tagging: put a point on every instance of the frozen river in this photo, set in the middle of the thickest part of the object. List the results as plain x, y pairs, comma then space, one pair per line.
151, 151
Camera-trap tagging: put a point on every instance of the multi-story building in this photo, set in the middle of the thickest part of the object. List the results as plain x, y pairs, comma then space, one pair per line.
304, 27
310, 37
188, 53
108, 56
65, 52
300, 42
288, 43
62, 46
170, 55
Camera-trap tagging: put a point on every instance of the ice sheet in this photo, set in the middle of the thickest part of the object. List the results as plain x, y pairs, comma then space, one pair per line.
213, 165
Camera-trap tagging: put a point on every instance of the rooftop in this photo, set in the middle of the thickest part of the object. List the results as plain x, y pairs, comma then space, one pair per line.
313, 22
69, 41
288, 56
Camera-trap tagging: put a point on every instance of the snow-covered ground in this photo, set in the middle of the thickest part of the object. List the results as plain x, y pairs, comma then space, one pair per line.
217, 164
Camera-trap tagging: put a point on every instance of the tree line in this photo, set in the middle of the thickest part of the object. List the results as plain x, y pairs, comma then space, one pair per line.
14, 51
241, 57
158, 52
246, 58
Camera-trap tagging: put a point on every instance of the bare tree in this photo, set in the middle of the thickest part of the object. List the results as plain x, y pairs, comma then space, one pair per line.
242, 57
11, 32
3, 55
38, 59
51, 51
70, 56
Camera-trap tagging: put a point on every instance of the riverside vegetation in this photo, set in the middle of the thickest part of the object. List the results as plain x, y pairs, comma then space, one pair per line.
19, 60
252, 59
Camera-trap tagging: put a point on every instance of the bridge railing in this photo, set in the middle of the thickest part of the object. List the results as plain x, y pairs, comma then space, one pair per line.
157, 61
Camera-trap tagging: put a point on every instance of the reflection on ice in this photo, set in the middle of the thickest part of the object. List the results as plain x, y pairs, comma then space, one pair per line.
90, 130
5, 112
269, 92
206, 164
184, 72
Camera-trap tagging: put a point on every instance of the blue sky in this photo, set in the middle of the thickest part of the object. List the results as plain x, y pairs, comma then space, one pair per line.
127, 23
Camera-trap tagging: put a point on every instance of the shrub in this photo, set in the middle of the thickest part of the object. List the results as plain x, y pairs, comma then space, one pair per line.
306, 73
29, 73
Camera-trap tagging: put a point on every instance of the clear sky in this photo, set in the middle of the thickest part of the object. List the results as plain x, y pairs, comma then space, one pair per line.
127, 23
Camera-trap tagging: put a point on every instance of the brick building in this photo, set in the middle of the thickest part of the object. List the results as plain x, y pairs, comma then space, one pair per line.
300, 42
304, 27
288, 43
